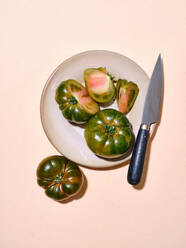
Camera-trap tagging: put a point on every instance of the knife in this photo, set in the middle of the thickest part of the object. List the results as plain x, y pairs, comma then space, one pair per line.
151, 113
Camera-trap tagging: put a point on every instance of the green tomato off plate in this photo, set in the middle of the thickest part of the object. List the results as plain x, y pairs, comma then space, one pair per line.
60, 177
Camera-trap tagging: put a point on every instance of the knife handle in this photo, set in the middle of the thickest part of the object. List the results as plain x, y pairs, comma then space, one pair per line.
138, 156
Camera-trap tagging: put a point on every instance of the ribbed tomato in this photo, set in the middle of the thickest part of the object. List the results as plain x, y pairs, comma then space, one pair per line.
74, 101
60, 177
109, 134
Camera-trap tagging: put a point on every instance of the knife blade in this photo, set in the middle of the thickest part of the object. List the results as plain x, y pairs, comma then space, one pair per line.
150, 116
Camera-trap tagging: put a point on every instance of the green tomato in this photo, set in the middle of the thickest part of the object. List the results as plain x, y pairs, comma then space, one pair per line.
60, 177
74, 101
109, 134
126, 94
99, 84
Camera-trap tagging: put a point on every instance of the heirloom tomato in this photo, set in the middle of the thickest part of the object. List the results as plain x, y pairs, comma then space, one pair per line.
109, 134
126, 94
74, 101
99, 84
59, 176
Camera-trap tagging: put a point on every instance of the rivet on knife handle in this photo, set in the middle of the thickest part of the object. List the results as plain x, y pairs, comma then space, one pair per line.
138, 156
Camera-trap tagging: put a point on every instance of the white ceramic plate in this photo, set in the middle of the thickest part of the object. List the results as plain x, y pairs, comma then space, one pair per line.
69, 139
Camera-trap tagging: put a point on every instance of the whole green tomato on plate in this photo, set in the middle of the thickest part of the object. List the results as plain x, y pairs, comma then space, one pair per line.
99, 84
74, 101
60, 177
109, 134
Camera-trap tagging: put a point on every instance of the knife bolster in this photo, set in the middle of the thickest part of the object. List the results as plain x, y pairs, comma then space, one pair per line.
145, 127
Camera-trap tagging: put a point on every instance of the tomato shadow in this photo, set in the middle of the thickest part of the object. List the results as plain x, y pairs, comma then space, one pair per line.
107, 104
81, 125
125, 155
103, 105
81, 192
122, 164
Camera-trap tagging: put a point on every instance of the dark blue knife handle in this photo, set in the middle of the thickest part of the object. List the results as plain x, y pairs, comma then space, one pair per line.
138, 156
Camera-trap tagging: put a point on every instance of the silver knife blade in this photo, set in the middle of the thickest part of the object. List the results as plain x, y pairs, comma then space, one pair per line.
154, 95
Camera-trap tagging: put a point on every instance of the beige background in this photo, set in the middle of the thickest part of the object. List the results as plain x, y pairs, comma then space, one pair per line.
36, 36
